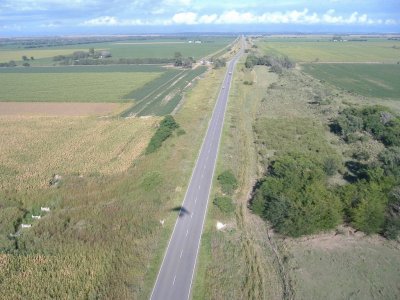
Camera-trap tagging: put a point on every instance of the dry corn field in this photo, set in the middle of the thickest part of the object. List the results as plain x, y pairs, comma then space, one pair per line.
34, 148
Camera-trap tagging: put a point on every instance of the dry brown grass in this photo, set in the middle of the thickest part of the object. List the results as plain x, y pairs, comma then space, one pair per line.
34, 148
58, 109
344, 266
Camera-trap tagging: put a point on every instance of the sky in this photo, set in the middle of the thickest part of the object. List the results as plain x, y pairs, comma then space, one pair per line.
60, 17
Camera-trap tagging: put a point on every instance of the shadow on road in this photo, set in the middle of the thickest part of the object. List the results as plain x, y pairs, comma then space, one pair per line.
182, 211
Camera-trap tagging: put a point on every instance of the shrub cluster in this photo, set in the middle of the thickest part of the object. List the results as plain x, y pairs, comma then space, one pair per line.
11, 63
377, 120
372, 202
224, 204
164, 131
277, 63
219, 62
295, 197
228, 182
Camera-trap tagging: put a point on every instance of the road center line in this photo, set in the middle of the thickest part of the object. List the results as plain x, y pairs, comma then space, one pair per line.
173, 283
181, 254
187, 232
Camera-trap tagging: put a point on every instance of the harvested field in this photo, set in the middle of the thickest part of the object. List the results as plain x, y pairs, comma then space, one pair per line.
34, 148
57, 109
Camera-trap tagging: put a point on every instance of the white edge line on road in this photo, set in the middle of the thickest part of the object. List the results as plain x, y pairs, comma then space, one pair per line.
184, 199
209, 190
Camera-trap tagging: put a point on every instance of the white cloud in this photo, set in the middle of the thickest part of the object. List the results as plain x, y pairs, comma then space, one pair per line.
101, 21
113, 21
188, 18
177, 2
208, 19
330, 17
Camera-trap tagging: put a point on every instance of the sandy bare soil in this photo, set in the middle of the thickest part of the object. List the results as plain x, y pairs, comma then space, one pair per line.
56, 109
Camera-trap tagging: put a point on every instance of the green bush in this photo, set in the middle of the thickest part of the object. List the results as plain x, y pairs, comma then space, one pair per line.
165, 130
377, 120
330, 166
224, 204
295, 197
180, 132
390, 160
391, 228
227, 181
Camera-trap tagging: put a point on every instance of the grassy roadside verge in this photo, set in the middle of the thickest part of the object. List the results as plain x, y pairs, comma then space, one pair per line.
237, 263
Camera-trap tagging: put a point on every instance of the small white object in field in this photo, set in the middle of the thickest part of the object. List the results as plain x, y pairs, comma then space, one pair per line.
26, 225
220, 225
45, 209
162, 222
36, 217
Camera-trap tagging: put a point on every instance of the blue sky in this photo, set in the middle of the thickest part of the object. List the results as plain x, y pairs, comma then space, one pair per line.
49, 17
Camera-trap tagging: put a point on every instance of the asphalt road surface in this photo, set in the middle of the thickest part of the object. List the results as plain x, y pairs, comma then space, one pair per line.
175, 278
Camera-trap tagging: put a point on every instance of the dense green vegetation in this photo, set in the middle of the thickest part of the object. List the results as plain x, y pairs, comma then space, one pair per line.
372, 201
164, 131
227, 181
295, 197
224, 204
377, 120
371, 80
276, 62
297, 200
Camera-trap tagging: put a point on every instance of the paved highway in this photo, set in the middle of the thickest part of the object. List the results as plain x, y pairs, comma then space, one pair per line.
175, 278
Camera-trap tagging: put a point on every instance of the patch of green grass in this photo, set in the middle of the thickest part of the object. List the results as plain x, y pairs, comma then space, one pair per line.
371, 80
224, 204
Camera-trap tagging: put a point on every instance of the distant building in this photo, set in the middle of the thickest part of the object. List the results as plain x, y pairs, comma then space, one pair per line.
105, 54
197, 42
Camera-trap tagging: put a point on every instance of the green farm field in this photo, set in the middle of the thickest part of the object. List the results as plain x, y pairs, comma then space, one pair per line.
71, 87
325, 51
371, 80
